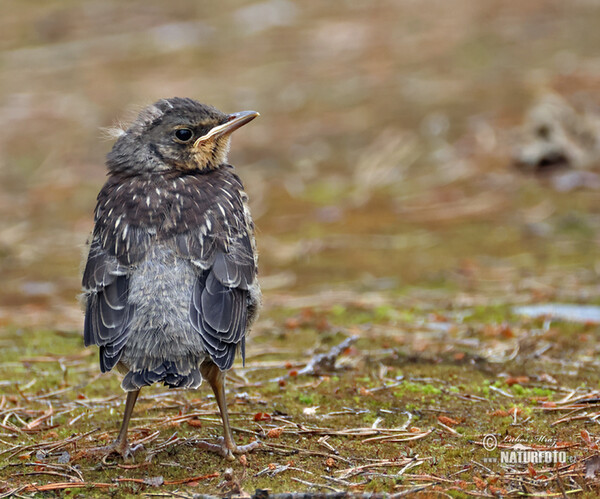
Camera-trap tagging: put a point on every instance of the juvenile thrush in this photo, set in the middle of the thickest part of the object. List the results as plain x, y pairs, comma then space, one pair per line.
170, 284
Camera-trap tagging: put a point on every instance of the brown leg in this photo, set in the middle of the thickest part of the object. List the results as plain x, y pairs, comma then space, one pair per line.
227, 449
120, 445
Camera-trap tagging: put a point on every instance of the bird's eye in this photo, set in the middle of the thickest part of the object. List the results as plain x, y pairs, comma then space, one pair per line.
183, 134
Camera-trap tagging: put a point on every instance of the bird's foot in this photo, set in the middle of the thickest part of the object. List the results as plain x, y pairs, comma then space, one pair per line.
228, 451
121, 448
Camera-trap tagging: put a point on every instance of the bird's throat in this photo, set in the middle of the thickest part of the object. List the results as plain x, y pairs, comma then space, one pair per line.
209, 155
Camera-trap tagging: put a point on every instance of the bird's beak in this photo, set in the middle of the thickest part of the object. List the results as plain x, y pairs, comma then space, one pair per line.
234, 121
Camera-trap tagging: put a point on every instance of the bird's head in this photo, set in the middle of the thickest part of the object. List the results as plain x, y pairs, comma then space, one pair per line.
176, 135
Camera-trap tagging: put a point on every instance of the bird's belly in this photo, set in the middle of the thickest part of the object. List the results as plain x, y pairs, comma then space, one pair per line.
160, 289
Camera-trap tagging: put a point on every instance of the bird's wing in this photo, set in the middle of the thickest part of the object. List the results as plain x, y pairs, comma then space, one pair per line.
207, 222
226, 268
118, 243
108, 313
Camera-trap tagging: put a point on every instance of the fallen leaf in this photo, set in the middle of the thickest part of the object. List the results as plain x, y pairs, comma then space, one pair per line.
479, 483
274, 432
506, 331
292, 323
517, 380
351, 351
448, 421
588, 440
262, 416
502, 330
586, 437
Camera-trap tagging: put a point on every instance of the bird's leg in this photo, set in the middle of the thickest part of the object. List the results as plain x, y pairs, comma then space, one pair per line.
227, 448
121, 445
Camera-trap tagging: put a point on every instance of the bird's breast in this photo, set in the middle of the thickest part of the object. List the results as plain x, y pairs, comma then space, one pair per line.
161, 288
160, 292
135, 212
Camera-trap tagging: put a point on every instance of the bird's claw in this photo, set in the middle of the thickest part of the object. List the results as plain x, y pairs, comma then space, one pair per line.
228, 451
121, 448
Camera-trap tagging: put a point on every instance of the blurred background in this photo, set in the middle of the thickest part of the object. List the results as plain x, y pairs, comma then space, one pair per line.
404, 147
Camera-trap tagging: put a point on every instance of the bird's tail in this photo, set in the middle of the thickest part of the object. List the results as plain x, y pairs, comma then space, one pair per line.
166, 373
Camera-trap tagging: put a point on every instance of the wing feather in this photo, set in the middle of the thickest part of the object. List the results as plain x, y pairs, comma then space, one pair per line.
218, 310
220, 246
108, 313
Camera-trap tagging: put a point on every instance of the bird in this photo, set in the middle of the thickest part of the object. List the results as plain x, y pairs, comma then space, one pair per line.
170, 285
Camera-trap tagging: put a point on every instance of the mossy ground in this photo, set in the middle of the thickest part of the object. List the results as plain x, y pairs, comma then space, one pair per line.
447, 377
387, 207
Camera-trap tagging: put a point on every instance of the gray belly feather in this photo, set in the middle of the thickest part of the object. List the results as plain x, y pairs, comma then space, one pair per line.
160, 332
